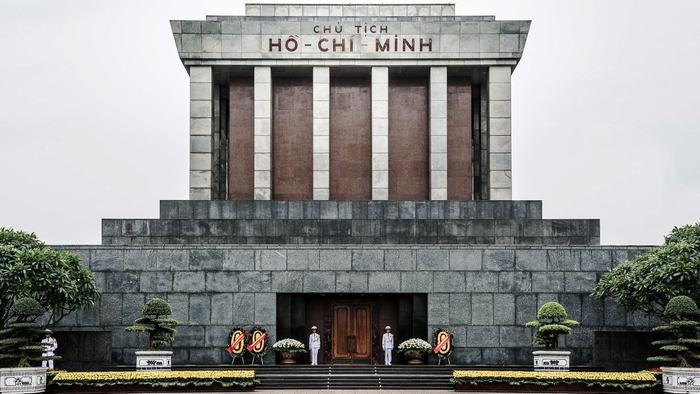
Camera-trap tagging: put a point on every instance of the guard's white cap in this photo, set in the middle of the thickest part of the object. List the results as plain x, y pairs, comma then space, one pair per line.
387, 328
314, 328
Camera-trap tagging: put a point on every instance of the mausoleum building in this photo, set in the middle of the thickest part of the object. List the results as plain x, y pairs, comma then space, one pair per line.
350, 168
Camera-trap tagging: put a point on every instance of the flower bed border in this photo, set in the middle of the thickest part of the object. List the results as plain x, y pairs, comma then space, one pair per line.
136, 381
535, 381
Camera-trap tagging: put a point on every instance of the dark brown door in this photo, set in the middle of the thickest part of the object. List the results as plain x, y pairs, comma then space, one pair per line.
351, 340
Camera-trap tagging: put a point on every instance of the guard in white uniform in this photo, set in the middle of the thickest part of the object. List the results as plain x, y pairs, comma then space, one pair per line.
50, 345
387, 345
314, 345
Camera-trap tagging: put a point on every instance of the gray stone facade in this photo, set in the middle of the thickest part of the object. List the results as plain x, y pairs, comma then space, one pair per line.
484, 294
484, 266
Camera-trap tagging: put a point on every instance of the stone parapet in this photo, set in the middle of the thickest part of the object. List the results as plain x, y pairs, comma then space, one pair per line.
484, 295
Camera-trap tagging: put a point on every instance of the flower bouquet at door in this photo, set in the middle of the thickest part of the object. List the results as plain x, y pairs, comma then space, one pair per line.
414, 350
289, 350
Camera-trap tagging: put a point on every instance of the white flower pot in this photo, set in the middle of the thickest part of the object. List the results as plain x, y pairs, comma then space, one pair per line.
149, 359
22, 380
551, 360
681, 380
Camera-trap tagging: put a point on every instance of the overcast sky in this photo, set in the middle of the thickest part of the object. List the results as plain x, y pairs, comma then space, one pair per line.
94, 112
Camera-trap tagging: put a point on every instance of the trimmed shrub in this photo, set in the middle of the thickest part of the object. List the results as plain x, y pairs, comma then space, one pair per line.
20, 341
552, 321
156, 321
682, 347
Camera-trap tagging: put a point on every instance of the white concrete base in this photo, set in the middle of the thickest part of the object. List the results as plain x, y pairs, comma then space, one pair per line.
551, 360
681, 380
22, 380
154, 360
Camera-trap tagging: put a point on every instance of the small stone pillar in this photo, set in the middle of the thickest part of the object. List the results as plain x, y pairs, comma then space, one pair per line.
438, 133
380, 133
321, 133
262, 146
200, 132
500, 172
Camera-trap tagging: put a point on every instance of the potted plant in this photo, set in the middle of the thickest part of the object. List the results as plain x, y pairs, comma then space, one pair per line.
552, 321
20, 346
158, 323
681, 359
289, 350
414, 350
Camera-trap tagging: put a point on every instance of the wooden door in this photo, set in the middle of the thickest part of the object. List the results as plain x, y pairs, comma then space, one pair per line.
351, 337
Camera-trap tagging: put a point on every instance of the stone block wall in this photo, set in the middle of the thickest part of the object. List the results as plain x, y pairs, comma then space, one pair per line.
484, 294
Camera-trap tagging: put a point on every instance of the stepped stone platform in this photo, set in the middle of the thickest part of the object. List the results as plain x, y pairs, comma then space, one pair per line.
482, 268
351, 222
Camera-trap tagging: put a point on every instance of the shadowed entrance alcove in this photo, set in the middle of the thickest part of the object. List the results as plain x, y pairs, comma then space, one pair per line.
351, 325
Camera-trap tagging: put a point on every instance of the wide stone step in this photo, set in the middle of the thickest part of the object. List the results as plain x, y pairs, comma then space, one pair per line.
350, 231
193, 209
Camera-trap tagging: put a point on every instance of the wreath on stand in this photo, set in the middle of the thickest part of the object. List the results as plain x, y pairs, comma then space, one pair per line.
258, 343
238, 338
442, 344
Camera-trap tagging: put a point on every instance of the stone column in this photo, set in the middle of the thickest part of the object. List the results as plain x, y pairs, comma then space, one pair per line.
262, 180
200, 133
438, 133
321, 133
500, 174
380, 133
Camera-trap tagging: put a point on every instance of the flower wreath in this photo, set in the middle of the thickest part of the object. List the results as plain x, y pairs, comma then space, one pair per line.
442, 345
258, 346
237, 349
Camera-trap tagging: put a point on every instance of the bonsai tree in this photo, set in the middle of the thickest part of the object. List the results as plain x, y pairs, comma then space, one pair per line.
682, 348
156, 321
54, 278
20, 342
552, 321
648, 282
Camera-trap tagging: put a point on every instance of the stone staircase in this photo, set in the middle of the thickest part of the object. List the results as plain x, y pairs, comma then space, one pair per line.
374, 377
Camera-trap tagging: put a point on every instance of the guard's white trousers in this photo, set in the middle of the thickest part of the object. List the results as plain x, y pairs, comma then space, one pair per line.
47, 363
387, 356
314, 356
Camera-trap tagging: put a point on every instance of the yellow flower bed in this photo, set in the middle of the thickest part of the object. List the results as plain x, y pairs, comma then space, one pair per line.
641, 377
230, 378
152, 375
